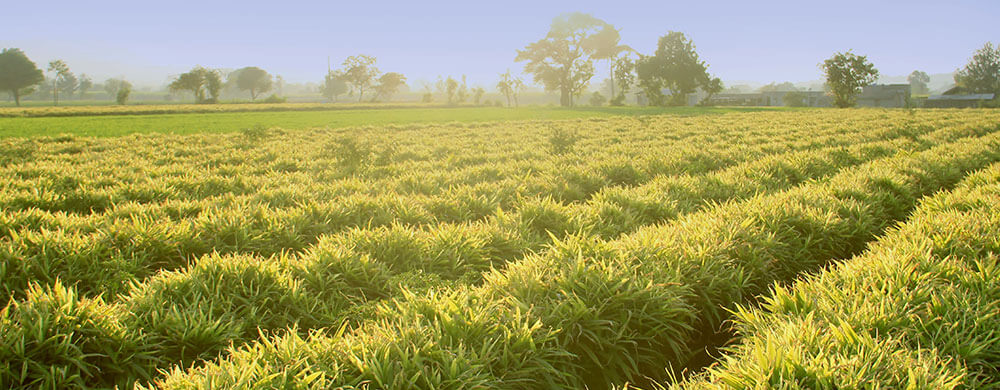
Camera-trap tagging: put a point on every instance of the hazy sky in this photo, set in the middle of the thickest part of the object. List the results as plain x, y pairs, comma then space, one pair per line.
759, 41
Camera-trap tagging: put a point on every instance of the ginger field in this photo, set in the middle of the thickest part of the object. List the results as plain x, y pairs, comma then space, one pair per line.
774, 249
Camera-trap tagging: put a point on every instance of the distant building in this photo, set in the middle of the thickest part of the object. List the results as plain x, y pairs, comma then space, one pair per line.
892, 95
772, 99
691, 99
958, 101
758, 99
806, 98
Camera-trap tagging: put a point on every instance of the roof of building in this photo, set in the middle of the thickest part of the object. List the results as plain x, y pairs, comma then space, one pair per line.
978, 96
890, 91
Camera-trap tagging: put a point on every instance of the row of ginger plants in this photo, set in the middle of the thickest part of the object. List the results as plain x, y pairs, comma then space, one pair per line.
102, 253
564, 314
918, 310
592, 313
95, 175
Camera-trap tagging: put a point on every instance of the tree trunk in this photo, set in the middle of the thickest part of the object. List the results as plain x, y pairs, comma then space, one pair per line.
611, 70
17, 97
55, 91
565, 99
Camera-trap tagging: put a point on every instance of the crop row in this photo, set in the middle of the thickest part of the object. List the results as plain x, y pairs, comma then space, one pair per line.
584, 312
101, 253
919, 310
90, 176
362, 264
353, 266
594, 313
106, 260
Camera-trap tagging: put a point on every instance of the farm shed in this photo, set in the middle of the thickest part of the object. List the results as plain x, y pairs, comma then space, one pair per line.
958, 101
892, 95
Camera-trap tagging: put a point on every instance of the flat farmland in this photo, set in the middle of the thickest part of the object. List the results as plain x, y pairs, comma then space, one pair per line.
455, 248
112, 121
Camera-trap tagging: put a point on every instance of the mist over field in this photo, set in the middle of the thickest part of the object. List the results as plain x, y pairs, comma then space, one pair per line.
746, 43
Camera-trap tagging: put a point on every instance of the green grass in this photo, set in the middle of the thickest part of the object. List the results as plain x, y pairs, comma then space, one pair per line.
118, 125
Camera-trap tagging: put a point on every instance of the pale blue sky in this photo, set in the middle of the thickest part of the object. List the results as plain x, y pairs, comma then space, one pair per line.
758, 41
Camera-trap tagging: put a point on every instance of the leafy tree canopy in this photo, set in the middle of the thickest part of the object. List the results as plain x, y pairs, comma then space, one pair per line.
845, 74
199, 81
982, 73
918, 82
334, 85
17, 73
254, 80
563, 60
360, 72
388, 84
674, 66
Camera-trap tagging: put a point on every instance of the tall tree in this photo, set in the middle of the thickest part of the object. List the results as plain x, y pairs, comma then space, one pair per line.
451, 85
360, 72
845, 74
674, 66
510, 86
563, 60
463, 91
85, 84
254, 80
918, 82
333, 85
61, 71
68, 84
213, 84
123, 92
389, 84
982, 73
111, 86
199, 80
18, 73
607, 43
477, 94
191, 81
623, 73
279, 85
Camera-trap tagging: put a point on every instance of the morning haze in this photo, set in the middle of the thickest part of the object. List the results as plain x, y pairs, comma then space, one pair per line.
744, 42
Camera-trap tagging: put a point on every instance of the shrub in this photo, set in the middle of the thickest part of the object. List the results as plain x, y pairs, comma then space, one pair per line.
561, 141
274, 99
597, 99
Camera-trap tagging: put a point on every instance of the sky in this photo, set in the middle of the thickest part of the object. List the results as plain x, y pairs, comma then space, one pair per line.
742, 41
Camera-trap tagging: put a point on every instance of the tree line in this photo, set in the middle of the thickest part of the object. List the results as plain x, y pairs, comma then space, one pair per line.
562, 62
19, 76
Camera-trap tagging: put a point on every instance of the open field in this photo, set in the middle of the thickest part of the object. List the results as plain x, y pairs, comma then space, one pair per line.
588, 249
226, 118
150, 109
